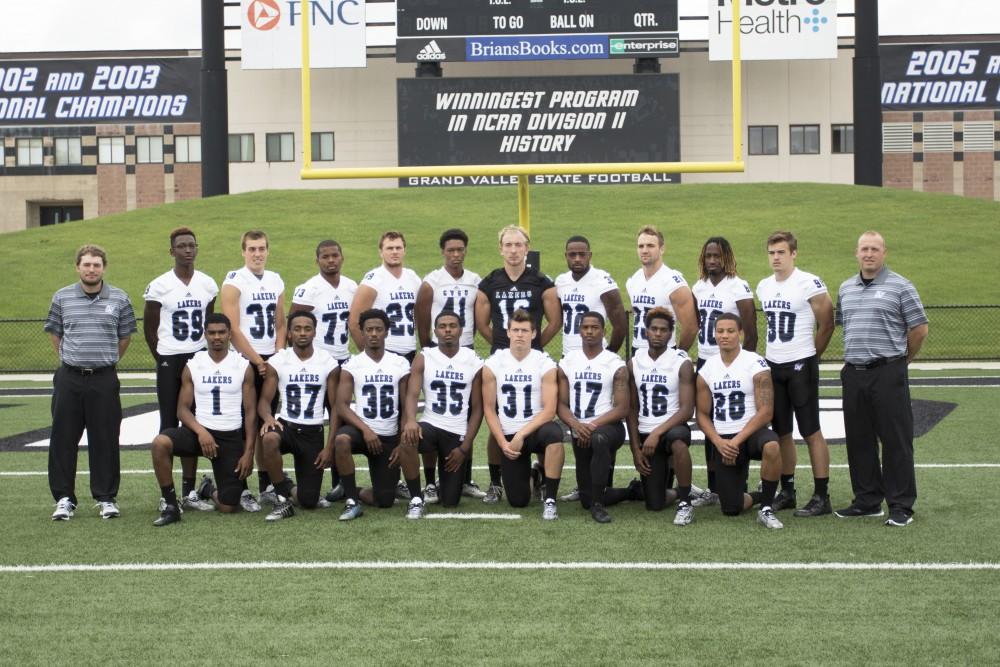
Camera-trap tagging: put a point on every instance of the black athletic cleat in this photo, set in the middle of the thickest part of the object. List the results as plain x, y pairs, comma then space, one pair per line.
853, 511
599, 513
635, 491
170, 514
899, 519
206, 487
785, 500
282, 509
817, 506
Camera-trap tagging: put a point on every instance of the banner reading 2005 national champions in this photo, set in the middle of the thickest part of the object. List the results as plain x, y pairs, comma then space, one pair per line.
536, 120
941, 76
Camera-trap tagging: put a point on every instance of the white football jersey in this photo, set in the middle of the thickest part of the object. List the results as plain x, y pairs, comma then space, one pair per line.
591, 382
644, 295
790, 318
658, 383
258, 304
447, 388
376, 390
715, 300
519, 386
578, 297
218, 390
302, 384
733, 401
182, 311
330, 305
456, 294
397, 297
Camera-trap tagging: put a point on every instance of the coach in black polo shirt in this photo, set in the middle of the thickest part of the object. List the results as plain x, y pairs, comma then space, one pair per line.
91, 324
884, 327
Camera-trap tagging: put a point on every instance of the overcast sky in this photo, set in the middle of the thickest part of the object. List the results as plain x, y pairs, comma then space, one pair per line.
112, 25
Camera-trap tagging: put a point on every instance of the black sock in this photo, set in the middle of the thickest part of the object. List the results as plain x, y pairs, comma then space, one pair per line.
711, 480
468, 471
169, 494
334, 476
684, 494
495, 479
430, 474
414, 486
822, 486
284, 488
767, 491
350, 486
788, 483
263, 481
551, 487
187, 485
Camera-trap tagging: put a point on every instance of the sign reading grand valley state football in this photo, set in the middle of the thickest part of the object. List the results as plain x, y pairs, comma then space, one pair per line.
271, 33
774, 29
86, 92
940, 76
532, 120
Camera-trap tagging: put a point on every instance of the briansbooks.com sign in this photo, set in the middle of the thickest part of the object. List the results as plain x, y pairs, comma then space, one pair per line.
624, 118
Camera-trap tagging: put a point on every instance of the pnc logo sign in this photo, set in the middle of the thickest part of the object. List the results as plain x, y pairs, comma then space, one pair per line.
264, 14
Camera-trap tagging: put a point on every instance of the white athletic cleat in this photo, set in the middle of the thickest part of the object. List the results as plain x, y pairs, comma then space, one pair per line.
352, 510
431, 494
704, 499
192, 502
549, 511
108, 509
684, 515
416, 510
472, 490
64, 510
269, 496
323, 503
767, 518
570, 497
282, 509
248, 502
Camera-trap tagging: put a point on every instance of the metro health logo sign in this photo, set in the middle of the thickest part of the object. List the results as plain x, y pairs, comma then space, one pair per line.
271, 33
774, 29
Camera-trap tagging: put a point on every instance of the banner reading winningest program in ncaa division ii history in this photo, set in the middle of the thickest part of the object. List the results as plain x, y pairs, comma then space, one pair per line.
86, 92
531, 120
940, 76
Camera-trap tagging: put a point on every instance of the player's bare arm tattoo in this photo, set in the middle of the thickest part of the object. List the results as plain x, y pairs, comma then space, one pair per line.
763, 391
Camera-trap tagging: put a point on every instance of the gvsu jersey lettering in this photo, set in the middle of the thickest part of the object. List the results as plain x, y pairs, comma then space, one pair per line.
448, 388
646, 294
376, 390
733, 400
302, 385
258, 305
182, 311
657, 382
218, 390
457, 295
397, 297
591, 382
519, 386
331, 307
790, 318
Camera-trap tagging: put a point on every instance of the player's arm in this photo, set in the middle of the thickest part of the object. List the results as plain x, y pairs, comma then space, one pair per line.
550, 398
490, 406
280, 325
422, 313
267, 391
565, 412
685, 408
411, 429
763, 393
245, 465
915, 337
482, 314
151, 325
363, 300
703, 414
620, 400
748, 313
612, 300
325, 458
185, 400
553, 317
210, 307
400, 392
345, 392
231, 308
475, 413
632, 424
822, 307
683, 304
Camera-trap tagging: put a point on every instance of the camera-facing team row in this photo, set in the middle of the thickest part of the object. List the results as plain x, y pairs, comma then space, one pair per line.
242, 384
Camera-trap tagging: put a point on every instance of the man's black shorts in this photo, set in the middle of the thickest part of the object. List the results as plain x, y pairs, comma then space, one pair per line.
731, 480
224, 464
796, 390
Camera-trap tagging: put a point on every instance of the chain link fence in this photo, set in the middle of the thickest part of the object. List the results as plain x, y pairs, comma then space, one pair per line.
26, 348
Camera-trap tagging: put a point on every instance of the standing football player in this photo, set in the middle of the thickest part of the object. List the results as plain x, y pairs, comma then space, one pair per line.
514, 286
800, 323
449, 375
593, 401
519, 402
735, 402
587, 289
253, 299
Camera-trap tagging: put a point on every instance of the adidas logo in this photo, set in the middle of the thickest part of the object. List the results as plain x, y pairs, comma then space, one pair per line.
217, 372
431, 52
188, 294
450, 367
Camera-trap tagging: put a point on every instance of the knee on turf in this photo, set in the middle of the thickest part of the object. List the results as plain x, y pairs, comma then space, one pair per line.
519, 498
384, 497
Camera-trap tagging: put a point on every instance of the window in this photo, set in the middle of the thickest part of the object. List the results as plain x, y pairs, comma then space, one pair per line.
29, 152
841, 138
281, 147
111, 150
763, 139
68, 151
803, 139
322, 146
241, 148
187, 149
148, 150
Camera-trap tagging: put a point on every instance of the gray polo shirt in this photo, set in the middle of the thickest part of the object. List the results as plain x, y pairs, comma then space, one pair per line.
876, 317
90, 327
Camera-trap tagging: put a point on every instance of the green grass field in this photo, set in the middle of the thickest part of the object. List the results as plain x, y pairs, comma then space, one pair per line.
934, 240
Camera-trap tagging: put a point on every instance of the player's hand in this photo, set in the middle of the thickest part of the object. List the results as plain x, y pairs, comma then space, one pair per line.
245, 466
411, 434
507, 449
324, 459
728, 450
641, 464
261, 368
649, 445
455, 459
208, 447
270, 424
372, 441
583, 433
394, 457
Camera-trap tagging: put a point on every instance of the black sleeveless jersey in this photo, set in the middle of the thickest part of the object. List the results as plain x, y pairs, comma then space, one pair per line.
506, 296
